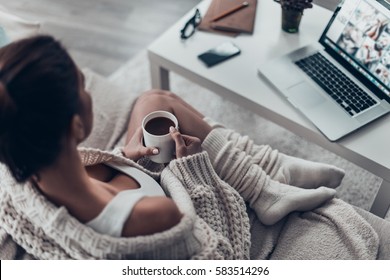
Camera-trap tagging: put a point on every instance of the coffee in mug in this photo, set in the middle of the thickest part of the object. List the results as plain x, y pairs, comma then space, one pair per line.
159, 126
155, 127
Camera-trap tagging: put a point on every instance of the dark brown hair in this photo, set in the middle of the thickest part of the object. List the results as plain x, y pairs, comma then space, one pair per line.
38, 98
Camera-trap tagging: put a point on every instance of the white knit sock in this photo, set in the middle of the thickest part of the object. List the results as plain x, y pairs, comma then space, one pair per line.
280, 167
245, 168
278, 200
306, 174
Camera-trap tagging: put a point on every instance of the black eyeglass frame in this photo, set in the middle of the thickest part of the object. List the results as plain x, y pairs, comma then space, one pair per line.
194, 22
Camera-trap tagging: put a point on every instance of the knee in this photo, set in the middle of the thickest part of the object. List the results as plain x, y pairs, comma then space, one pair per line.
157, 95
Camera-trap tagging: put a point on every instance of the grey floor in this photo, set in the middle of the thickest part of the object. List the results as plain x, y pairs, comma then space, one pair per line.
102, 34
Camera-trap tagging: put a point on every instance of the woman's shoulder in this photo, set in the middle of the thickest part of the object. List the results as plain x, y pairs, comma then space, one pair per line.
151, 215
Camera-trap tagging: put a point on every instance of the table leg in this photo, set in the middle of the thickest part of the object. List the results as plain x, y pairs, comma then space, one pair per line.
381, 204
160, 77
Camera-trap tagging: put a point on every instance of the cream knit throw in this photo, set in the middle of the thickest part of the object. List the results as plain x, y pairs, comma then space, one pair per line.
218, 229
214, 226
333, 231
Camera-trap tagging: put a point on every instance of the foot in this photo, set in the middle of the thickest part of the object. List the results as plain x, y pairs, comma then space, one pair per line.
307, 174
278, 200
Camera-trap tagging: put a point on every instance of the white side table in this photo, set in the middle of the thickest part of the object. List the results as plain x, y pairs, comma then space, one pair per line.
238, 81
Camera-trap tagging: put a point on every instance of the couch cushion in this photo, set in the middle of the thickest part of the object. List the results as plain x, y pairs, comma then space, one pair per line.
111, 109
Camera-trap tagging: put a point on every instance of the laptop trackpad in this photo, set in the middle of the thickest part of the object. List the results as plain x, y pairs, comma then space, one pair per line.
304, 95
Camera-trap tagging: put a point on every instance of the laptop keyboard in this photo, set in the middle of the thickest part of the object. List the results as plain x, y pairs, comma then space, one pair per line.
342, 89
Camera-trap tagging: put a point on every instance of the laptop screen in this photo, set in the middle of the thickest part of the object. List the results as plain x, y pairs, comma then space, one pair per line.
359, 37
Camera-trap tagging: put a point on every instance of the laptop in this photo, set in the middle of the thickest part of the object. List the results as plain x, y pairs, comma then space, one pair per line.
342, 82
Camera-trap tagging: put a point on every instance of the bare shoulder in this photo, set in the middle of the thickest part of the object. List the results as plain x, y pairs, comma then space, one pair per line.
151, 215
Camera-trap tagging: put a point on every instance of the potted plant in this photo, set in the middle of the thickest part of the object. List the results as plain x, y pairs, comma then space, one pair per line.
292, 11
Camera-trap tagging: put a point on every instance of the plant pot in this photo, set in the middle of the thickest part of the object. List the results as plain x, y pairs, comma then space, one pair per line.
291, 20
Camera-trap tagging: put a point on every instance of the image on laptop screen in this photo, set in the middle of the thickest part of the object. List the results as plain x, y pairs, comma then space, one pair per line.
359, 35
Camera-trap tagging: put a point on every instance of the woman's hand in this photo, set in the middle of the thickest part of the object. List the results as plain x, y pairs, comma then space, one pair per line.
185, 145
135, 149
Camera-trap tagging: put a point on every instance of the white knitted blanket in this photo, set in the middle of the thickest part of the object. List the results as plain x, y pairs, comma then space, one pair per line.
217, 228
215, 224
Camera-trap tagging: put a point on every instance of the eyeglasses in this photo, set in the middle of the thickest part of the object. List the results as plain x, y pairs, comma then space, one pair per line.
190, 26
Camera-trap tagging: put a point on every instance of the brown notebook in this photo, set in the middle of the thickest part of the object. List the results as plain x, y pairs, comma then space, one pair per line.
241, 21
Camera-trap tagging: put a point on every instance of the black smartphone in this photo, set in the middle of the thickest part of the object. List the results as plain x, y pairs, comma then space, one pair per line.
220, 53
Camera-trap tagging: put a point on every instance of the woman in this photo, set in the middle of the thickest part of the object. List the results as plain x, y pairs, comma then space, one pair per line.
46, 113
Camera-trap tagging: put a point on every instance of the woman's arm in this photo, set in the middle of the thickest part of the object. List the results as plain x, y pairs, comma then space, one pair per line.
151, 215
155, 214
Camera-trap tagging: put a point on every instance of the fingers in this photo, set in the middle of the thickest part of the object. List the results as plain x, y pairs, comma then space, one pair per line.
135, 149
185, 144
149, 151
145, 151
179, 142
193, 144
176, 135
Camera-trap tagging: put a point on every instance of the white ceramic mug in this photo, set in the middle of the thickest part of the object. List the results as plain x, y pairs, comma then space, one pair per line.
163, 141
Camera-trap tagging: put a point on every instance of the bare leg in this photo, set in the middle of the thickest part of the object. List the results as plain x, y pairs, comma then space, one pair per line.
190, 120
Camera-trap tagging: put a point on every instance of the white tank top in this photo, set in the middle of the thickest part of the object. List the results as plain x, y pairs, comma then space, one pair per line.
114, 215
